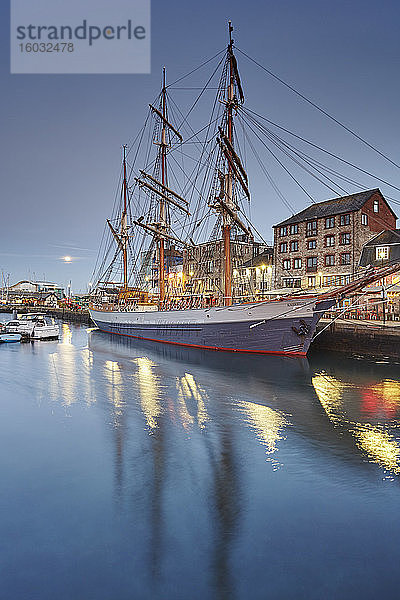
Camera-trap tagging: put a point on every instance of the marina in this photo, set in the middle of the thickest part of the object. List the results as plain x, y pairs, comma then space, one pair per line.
151, 281
200, 303
153, 470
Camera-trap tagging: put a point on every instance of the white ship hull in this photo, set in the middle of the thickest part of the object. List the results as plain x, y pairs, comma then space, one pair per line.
274, 327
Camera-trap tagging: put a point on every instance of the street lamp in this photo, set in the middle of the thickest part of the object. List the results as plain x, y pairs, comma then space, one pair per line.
263, 283
269, 277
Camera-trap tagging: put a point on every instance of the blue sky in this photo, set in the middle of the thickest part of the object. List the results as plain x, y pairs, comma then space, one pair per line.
62, 134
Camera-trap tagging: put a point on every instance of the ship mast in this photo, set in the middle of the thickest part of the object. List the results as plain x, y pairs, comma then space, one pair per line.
161, 200
227, 221
121, 236
124, 227
160, 230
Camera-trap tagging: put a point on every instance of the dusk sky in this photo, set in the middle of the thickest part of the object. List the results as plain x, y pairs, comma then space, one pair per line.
62, 134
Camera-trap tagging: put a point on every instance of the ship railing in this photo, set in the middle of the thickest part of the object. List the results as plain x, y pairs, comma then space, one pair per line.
184, 302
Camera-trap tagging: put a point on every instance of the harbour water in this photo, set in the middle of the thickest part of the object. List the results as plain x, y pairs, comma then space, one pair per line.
140, 471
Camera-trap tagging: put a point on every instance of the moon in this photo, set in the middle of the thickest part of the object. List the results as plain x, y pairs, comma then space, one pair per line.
67, 259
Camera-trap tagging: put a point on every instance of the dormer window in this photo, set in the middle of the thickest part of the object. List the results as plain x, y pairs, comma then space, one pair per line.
382, 252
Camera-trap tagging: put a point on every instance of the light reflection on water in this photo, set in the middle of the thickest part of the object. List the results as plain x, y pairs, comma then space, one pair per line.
181, 473
379, 400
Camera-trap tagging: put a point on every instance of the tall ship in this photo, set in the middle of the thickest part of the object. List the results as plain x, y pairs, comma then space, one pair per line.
184, 198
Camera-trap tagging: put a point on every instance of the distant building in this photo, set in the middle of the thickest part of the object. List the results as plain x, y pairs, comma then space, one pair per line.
203, 267
37, 287
49, 299
173, 260
321, 245
255, 276
33, 292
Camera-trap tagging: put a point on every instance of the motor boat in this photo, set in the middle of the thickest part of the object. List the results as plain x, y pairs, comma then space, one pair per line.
10, 337
34, 325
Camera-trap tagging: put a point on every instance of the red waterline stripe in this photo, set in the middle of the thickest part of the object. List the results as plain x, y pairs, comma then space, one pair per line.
216, 348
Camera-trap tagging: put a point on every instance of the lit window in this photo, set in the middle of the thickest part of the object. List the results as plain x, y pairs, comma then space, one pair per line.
311, 281
382, 252
364, 219
376, 206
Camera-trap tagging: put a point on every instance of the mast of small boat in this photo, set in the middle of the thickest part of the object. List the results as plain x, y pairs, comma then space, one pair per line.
161, 200
227, 222
124, 227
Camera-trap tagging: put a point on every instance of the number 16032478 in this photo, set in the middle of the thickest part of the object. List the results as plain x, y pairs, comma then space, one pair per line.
47, 47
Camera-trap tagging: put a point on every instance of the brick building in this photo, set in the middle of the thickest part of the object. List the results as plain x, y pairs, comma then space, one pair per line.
254, 278
321, 245
203, 267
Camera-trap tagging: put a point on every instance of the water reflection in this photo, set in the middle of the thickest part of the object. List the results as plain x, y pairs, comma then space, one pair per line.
380, 446
267, 423
149, 391
168, 458
191, 402
271, 394
367, 411
343, 409
62, 367
382, 399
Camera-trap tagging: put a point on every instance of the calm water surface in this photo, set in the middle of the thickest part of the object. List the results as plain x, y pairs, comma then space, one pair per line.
133, 471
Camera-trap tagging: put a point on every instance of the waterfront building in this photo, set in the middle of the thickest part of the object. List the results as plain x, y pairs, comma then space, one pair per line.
321, 245
149, 264
37, 287
203, 267
381, 250
255, 276
33, 293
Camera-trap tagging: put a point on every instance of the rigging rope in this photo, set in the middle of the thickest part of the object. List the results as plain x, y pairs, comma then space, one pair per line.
324, 112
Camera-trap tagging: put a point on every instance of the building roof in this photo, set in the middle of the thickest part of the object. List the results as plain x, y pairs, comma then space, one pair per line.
385, 237
389, 238
336, 206
264, 258
34, 282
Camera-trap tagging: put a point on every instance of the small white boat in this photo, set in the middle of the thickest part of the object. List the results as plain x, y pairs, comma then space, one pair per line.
10, 337
37, 326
